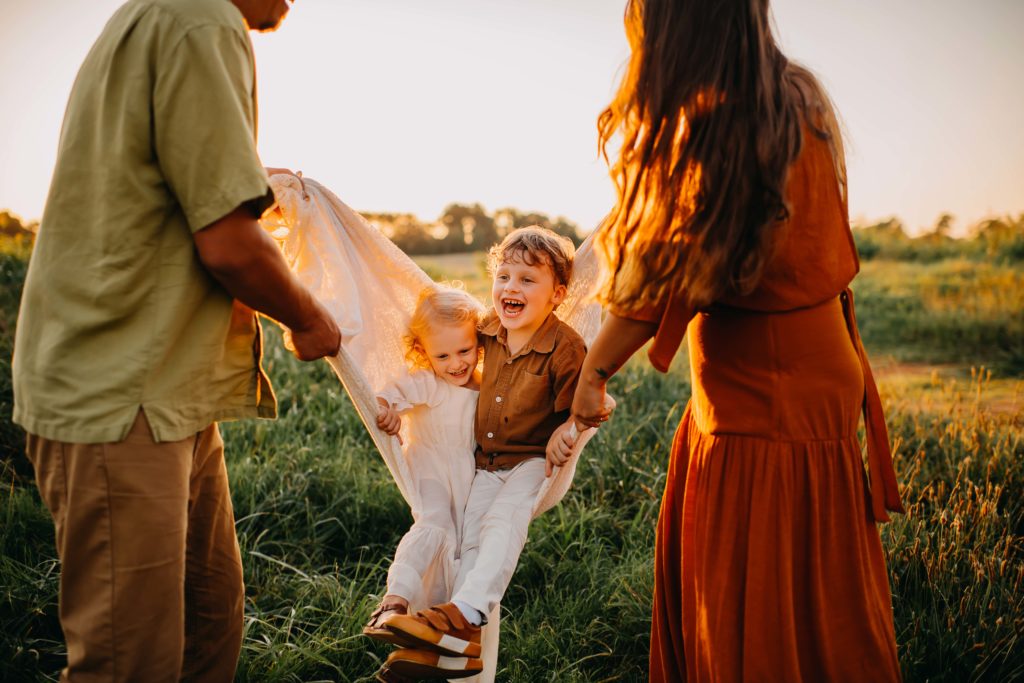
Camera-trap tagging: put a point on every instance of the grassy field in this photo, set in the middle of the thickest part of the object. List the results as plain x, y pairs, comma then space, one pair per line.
318, 516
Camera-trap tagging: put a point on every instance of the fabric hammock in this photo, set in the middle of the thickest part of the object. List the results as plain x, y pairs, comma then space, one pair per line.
370, 287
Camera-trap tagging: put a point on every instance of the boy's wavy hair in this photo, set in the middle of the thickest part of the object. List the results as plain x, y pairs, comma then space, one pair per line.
439, 305
535, 245
712, 116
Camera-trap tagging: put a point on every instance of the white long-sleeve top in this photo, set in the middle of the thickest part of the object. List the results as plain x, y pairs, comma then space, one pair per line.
437, 415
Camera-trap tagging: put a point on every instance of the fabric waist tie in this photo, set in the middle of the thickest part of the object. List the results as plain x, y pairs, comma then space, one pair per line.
885, 493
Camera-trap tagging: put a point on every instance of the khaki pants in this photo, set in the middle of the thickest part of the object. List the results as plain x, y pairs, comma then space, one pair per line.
151, 576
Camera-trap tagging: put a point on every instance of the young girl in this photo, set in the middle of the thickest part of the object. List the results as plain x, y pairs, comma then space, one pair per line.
439, 398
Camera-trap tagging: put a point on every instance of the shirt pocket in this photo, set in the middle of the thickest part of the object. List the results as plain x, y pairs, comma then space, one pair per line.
532, 394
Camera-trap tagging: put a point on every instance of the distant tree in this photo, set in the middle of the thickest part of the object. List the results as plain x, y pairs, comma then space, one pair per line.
510, 218
12, 226
885, 239
463, 228
1001, 239
470, 223
944, 225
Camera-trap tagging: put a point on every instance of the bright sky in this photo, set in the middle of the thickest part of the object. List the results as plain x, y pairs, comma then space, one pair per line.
406, 105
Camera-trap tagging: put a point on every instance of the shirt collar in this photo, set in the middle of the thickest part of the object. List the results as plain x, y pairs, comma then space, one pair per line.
542, 341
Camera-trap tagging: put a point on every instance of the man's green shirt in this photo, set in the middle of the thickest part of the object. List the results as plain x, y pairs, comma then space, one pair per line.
158, 141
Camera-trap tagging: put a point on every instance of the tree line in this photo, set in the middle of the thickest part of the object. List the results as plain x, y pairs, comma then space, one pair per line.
459, 228
998, 240
469, 227
463, 228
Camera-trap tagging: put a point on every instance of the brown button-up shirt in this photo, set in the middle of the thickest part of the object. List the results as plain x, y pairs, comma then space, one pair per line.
526, 396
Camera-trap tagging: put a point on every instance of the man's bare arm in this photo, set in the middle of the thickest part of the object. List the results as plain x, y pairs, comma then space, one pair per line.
243, 258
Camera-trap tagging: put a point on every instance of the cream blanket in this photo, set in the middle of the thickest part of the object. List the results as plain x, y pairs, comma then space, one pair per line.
371, 288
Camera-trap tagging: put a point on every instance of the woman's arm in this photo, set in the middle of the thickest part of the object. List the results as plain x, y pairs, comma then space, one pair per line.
617, 341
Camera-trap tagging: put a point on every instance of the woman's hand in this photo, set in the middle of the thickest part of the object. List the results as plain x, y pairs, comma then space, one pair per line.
591, 405
388, 419
618, 339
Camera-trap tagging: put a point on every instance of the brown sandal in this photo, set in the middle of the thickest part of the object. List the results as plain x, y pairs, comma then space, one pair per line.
388, 675
376, 629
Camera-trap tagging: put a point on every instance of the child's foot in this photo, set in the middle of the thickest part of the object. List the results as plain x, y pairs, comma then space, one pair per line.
389, 606
419, 664
442, 628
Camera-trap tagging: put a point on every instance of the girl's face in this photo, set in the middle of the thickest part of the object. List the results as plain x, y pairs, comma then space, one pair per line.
452, 351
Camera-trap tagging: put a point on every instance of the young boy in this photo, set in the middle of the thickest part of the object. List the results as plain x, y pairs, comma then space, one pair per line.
531, 364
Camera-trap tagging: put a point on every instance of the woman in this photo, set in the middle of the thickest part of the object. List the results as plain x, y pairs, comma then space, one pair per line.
731, 225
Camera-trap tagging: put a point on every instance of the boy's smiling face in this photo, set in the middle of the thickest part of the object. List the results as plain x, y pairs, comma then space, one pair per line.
523, 294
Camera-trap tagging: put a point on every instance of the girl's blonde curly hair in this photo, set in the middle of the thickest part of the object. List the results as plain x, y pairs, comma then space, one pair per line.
439, 305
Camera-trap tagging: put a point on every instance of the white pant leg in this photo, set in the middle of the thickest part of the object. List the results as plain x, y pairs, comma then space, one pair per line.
419, 554
482, 491
497, 519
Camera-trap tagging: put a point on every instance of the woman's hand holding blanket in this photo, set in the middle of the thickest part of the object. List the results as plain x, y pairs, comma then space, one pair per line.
591, 406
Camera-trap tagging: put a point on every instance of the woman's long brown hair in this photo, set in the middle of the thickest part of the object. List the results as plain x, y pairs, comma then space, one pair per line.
711, 114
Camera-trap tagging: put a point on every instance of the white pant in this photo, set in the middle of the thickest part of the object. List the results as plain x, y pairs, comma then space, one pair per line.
422, 569
497, 517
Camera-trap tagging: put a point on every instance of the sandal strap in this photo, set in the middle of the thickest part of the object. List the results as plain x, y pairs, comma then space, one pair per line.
383, 607
446, 617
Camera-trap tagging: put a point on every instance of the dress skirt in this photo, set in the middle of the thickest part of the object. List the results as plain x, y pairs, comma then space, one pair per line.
768, 563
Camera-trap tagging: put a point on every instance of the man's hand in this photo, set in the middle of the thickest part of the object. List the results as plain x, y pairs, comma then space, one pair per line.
388, 419
320, 338
560, 446
246, 261
271, 170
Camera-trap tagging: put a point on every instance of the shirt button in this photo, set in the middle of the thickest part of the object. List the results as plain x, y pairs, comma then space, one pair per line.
497, 399
508, 362
490, 435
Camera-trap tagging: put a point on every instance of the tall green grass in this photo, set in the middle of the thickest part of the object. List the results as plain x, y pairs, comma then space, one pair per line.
956, 558
955, 311
14, 253
318, 518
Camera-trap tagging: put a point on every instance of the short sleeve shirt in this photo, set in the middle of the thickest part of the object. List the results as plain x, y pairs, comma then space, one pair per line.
525, 396
118, 314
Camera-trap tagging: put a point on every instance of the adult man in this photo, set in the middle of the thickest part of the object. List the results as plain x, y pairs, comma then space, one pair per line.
136, 335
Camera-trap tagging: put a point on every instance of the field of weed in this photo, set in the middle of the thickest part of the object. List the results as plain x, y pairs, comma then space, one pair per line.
318, 516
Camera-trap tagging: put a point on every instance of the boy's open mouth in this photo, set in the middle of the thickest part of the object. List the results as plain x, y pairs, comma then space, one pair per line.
512, 307
458, 373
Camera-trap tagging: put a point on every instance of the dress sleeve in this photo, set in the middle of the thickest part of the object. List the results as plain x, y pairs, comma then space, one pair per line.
204, 121
415, 389
672, 316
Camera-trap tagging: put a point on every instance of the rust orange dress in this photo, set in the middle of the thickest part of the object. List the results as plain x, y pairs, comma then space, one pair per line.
768, 562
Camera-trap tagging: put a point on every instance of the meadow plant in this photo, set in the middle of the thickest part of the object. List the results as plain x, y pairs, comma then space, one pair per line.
318, 515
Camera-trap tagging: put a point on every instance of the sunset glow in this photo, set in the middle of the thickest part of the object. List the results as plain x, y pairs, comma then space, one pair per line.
405, 106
